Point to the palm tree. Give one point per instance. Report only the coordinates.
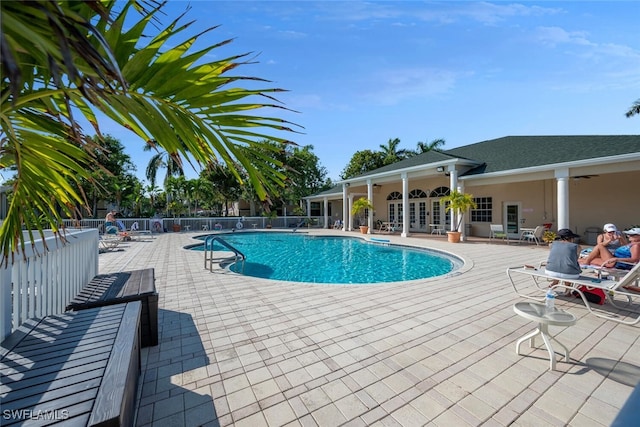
(79, 58)
(162, 159)
(635, 109)
(423, 147)
(391, 153)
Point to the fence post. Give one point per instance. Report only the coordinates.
(5, 302)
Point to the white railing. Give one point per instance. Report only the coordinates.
(43, 280)
(159, 225)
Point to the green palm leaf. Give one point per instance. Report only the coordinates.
(63, 60)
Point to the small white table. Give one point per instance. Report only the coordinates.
(437, 229)
(538, 313)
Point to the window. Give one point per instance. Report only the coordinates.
(440, 192)
(316, 209)
(484, 211)
(417, 194)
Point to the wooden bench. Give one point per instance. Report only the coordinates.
(78, 368)
(115, 288)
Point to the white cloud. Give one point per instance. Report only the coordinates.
(554, 36)
(391, 86)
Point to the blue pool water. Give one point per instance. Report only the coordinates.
(338, 260)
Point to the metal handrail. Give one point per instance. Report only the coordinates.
(208, 253)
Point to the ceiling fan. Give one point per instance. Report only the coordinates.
(584, 176)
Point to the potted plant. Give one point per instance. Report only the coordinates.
(271, 215)
(459, 203)
(358, 210)
(549, 236)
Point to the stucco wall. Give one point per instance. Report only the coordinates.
(593, 202)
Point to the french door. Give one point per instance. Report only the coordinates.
(512, 214)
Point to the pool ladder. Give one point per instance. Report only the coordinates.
(208, 251)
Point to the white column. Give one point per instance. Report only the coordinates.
(350, 227)
(405, 205)
(453, 185)
(370, 198)
(562, 181)
(326, 213)
(345, 207)
(463, 236)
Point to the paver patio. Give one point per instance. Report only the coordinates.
(242, 351)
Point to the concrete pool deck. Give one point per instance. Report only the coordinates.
(236, 350)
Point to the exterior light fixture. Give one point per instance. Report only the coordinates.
(440, 169)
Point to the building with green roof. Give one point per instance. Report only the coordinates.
(576, 182)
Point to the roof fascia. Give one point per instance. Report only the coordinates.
(550, 168)
(418, 170)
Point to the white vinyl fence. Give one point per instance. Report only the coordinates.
(42, 281)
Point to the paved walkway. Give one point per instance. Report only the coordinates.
(241, 351)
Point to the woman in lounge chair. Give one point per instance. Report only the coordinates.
(623, 257)
(563, 257)
(611, 238)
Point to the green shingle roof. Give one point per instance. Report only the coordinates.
(517, 152)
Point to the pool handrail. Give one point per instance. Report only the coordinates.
(208, 251)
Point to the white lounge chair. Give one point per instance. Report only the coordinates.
(109, 242)
(626, 287)
(136, 233)
(497, 232)
(533, 235)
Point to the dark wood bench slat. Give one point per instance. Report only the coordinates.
(34, 384)
(33, 351)
(81, 378)
(116, 396)
(124, 286)
(76, 406)
(17, 336)
(54, 398)
(22, 373)
(91, 345)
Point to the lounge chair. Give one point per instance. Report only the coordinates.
(497, 232)
(110, 228)
(533, 235)
(136, 233)
(109, 242)
(626, 287)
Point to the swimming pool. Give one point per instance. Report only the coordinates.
(300, 257)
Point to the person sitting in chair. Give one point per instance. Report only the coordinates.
(563, 256)
(624, 257)
(611, 238)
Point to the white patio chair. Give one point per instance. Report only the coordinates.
(534, 235)
(497, 232)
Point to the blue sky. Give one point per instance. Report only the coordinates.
(360, 73)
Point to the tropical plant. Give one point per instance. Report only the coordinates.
(634, 109)
(162, 159)
(458, 203)
(390, 152)
(362, 161)
(78, 58)
(359, 207)
(270, 215)
(423, 147)
(549, 236)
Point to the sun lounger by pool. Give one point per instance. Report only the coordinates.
(626, 288)
(109, 242)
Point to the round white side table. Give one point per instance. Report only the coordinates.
(538, 313)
